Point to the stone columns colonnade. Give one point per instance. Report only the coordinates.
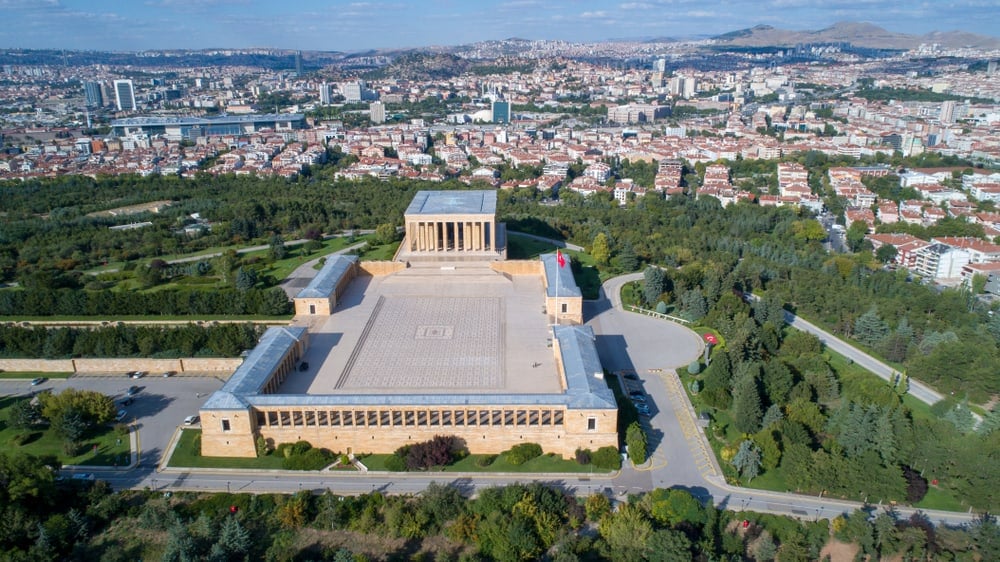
(452, 235)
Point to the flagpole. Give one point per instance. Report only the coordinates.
(558, 302)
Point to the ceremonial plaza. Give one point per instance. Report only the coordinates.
(449, 338)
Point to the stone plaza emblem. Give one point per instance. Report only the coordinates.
(435, 332)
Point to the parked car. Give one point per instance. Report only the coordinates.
(169, 374)
(632, 376)
(83, 476)
(121, 415)
(132, 391)
(38, 381)
(125, 401)
(190, 420)
(138, 374)
(637, 395)
(642, 409)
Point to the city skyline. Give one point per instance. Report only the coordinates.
(352, 26)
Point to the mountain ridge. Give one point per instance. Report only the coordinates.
(860, 34)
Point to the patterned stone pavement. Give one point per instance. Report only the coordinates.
(431, 343)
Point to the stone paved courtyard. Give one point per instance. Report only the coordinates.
(446, 328)
(430, 343)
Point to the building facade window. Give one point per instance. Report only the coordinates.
(225, 425)
(591, 424)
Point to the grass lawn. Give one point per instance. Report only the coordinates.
(297, 255)
(28, 375)
(112, 448)
(524, 248)
(384, 252)
(188, 454)
(544, 463)
(938, 498)
(588, 276)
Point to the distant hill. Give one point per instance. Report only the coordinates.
(860, 34)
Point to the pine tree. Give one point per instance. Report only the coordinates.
(747, 460)
(869, 328)
(654, 285)
(746, 405)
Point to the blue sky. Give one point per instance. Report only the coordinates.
(357, 25)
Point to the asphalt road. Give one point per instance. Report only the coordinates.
(918, 390)
(652, 348)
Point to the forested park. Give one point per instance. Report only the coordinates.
(49, 519)
(785, 413)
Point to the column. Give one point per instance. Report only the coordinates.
(493, 235)
(423, 236)
(467, 235)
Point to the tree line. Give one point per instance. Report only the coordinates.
(218, 340)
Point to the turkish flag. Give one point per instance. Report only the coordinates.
(560, 259)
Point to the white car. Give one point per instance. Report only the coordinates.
(190, 420)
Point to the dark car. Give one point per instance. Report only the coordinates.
(38, 381)
(132, 391)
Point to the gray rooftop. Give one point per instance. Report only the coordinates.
(323, 285)
(256, 369)
(586, 388)
(156, 121)
(453, 203)
(559, 279)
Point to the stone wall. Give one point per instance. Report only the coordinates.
(238, 441)
(518, 267)
(224, 366)
(379, 268)
(573, 313)
(573, 433)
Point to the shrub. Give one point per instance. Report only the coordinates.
(121, 429)
(485, 460)
(395, 463)
(583, 456)
(607, 458)
(263, 447)
(520, 454)
(313, 459)
(694, 367)
(440, 451)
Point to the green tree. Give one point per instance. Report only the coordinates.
(654, 285)
(234, 538)
(668, 545)
(600, 250)
(627, 532)
(886, 253)
(385, 233)
(856, 235)
(246, 278)
(674, 507)
(747, 460)
(23, 414)
(635, 440)
(746, 409)
(277, 248)
(869, 328)
(94, 407)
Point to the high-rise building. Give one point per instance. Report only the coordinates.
(991, 68)
(93, 92)
(356, 91)
(376, 111)
(947, 114)
(298, 63)
(325, 91)
(501, 112)
(660, 65)
(125, 95)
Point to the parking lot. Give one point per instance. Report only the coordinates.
(158, 405)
